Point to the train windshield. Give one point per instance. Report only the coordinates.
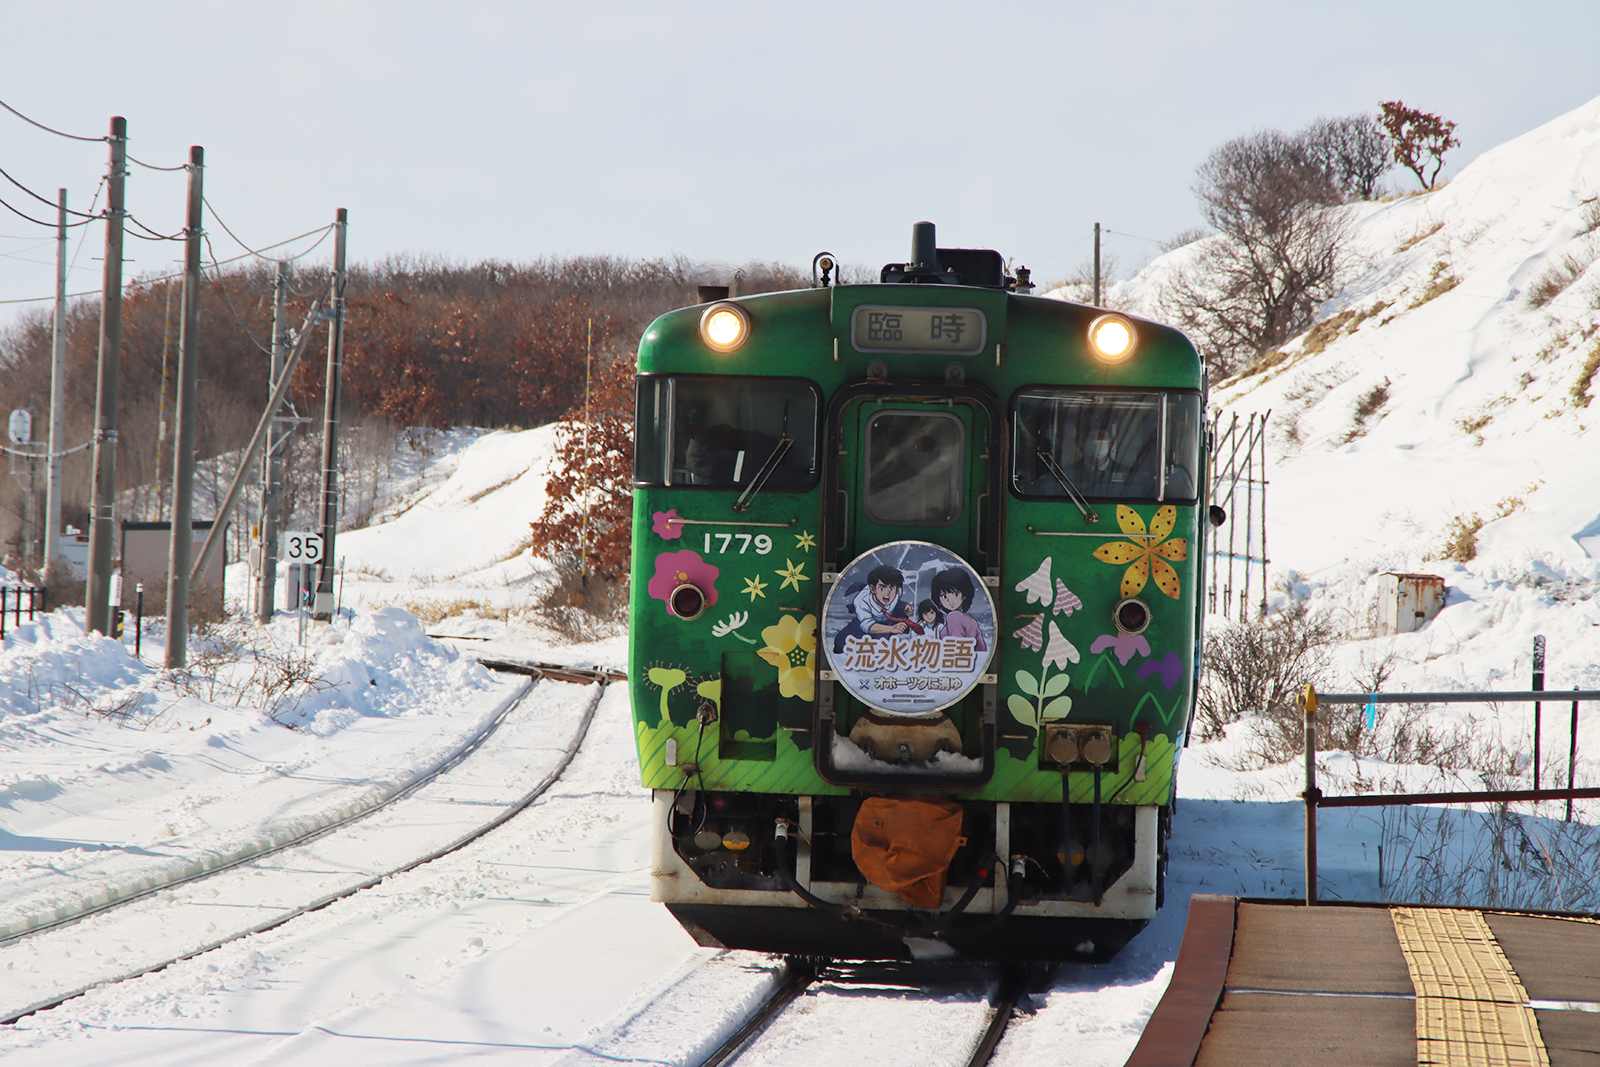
(1107, 446)
(723, 432)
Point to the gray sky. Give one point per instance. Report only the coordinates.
(471, 129)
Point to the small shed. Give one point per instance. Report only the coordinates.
(1406, 602)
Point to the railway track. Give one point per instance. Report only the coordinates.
(898, 986)
(274, 884)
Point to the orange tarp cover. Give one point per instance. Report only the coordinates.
(905, 844)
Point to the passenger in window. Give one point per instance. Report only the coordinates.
(1102, 473)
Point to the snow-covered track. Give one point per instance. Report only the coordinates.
(818, 998)
(273, 885)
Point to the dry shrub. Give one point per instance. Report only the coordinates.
(1495, 859)
(1555, 279)
(1440, 281)
(432, 611)
(1580, 388)
(580, 608)
(1461, 538)
(1257, 668)
(1369, 405)
(242, 664)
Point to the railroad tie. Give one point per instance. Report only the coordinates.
(1472, 1011)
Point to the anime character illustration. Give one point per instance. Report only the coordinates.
(931, 617)
(878, 609)
(953, 592)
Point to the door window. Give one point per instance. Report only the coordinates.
(916, 468)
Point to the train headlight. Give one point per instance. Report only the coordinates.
(1111, 338)
(724, 327)
(687, 602)
(1131, 616)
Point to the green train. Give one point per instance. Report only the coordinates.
(915, 615)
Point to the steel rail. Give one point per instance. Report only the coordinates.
(1013, 980)
(799, 973)
(515, 809)
(118, 900)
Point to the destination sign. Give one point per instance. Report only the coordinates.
(930, 330)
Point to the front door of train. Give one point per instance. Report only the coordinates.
(909, 623)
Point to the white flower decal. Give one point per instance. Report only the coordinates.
(1060, 651)
(1037, 584)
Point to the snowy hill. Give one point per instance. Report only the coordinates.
(1449, 382)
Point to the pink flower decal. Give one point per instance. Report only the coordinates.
(1124, 645)
(668, 525)
(1032, 635)
(1170, 669)
(1066, 600)
(683, 568)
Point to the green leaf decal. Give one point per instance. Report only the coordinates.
(1027, 684)
(1058, 708)
(1055, 685)
(1021, 710)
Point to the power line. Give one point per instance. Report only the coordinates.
(288, 259)
(40, 222)
(160, 277)
(41, 199)
(47, 129)
(153, 235)
(152, 166)
(226, 296)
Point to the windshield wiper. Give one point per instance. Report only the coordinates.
(1073, 494)
(770, 464)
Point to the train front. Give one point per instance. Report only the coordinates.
(914, 617)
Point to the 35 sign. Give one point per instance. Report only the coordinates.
(302, 547)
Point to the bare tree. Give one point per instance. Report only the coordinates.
(1276, 255)
(1353, 151)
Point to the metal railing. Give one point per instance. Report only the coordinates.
(1310, 699)
(11, 598)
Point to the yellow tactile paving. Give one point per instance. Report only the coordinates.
(1471, 1009)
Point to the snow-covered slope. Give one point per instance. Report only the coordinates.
(1467, 327)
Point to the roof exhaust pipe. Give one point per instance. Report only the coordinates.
(924, 249)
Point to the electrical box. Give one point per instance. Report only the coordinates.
(1408, 602)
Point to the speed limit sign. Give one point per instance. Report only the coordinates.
(302, 547)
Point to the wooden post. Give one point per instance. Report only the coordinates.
(97, 586)
(181, 545)
(1308, 704)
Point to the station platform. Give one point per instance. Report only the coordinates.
(1353, 985)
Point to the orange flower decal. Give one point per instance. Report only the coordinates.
(1146, 551)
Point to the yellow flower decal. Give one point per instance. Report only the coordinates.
(793, 575)
(791, 644)
(755, 587)
(1146, 552)
(805, 539)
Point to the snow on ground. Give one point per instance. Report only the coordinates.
(540, 944)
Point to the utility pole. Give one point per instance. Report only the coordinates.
(272, 476)
(1097, 264)
(322, 606)
(58, 385)
(182, 542)
(97, 587)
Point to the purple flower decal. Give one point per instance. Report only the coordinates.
(1066, 600)
(679, 568)
(1170, 669)
(668, 525)
(1124, 645)
(1032, 635)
